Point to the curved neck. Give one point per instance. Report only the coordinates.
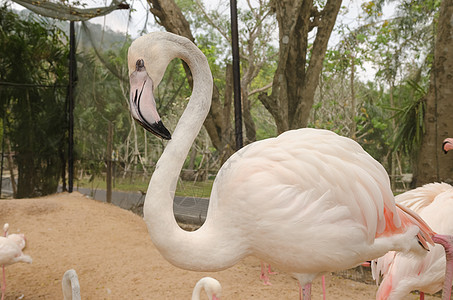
(71, 286)
(196, 294)
(187, 250)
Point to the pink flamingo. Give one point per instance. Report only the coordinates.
(447, 145)
(308, 201)
(11, 252)
(403, 273)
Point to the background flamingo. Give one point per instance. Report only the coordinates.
(447, 145)
(10, 253)
(210, 285)
(5, 229)
(403, 273)
(308, 201)
(70, 285)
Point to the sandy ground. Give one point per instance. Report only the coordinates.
(115, 259)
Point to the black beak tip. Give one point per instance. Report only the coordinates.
(443, 147)
(159, 129)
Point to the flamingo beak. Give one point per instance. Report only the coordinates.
(143, 104)
(447, 145)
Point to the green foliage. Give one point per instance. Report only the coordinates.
(373, 123)
(410, 120)
(34, 55)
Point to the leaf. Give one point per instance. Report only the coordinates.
(361, 37)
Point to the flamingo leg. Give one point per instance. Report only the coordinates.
(3, 283)
(323, 287)
(269, 271)
(447, 242)
(307, 291)
(5, 234)
(264, 276)
(422, 296)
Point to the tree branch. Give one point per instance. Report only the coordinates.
(261, 89)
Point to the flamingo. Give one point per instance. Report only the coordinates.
(403, 273)
(447, 145)
(70, 285)
(308, 201)
(210, 285)
(11, 252)
(5, 229)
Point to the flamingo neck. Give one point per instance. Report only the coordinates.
(196, 294)
(188, 250)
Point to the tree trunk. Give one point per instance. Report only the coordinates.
(249, 124)
(108, 159)
(227, 129)
(392, 165)
(296, 79)
(433, 165)
(352, 132)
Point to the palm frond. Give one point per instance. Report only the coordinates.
(410, 126)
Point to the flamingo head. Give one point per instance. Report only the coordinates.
(5, 229)
(145, 72)
(447, 145)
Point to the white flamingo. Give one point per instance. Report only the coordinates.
(11, 253)
(70, 285)
(5, 229)
(403, 273)
(210, 285)
(308, 201)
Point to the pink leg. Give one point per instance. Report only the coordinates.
(323, 287)
(3, 283)
(307, 291)
(5, 233)
(264, 276)
(447, 242)
(300, 291)
(422, 296)
(269, 271)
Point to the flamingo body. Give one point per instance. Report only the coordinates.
(308, 201)
(311, 187)
(403, 273)
(11, 250)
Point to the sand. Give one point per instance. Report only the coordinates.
(115, 259)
